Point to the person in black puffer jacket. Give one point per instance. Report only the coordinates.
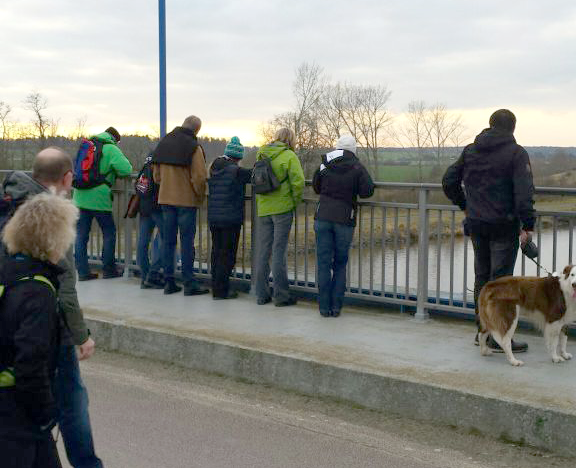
(339, 180)
(37, 237)
(226, 214)
(498, 200)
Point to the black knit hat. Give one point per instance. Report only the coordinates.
(503, 119)
(114, 133)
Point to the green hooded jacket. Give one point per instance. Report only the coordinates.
(113, 163)
(287, 169)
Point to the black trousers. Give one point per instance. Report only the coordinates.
(494, 257)
(224, 248)
(29, 453)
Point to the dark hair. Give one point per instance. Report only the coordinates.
(503, 119)
(51, 165)
(112, 131)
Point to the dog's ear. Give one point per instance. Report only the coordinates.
(567, 270)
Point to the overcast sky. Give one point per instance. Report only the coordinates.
(232, 62)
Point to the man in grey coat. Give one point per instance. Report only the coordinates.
(52, 170)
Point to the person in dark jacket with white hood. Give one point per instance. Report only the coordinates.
(339, 181)
(226, 183)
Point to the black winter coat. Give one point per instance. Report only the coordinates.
(498, 193)
(339, 181)
(29, 340)
(226, 192)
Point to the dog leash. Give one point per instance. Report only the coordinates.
(537, 264)
(540, 266)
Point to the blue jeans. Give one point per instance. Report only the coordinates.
(74, 420)
(332, 244)
(184, 219)
(147, 225)
(272, 234)
(106, 222)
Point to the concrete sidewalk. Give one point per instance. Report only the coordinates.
(386, 361)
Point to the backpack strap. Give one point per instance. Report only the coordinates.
(7, 379)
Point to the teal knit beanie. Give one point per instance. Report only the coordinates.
(234, 149)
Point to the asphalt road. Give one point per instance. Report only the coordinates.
(150, 415)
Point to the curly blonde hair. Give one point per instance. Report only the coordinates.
(44, 227)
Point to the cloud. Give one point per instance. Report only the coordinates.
(232, 61)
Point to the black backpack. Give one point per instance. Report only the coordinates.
(144, 184)
(263, 178)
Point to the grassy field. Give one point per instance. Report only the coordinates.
(402, 173)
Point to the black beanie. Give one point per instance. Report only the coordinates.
(112, 131)
(503, 119)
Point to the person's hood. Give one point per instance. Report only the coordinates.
(219, 164)
(104, 137)
(18, 186)
(17, 266)
(492, 137)
(272, 150)
(340, 161)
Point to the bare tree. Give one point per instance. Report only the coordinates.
(441, 125)
(413, 134)
(366, 116)
(5, 110)
(37, 104)
(80, 128)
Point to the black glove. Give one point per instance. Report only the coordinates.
(530, 249)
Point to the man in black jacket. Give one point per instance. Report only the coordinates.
(339, 180)
(498, 200)
(226, 214)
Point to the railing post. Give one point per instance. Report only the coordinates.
(127, 229)
(252, 242)
(423, 233)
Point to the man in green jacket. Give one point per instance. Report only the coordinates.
(275, 214)
(96, 202)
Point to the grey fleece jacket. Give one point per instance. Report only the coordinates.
(19, 186)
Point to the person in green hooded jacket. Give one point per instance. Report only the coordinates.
(96, 202)
(275, 213)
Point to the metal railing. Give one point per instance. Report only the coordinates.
(408, 248)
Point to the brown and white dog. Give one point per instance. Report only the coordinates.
(549, 303)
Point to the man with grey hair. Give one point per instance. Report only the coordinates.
(179, 168)
(52, 170)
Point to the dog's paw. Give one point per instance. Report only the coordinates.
(517, 362)
(486, 352)
(567, 356)
(557, 359)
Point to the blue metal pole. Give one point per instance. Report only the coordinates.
(162, 53)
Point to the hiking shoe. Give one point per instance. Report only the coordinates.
(171, 287)
(112, 274)
(230, 295)
(287, 302)
(88, 277)
(263, 300)
(517, 346)
(195, 290)
(151, 285)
